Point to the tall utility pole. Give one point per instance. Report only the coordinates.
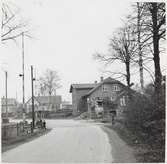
(22, 75)
(32, 86)
(6, 92)
(23, 72)
(139, 47)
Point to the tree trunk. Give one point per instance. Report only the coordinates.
(139, 48)
(128, 73)
(156, 58)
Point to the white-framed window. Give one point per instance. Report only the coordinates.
(123, 101)
(116, 88)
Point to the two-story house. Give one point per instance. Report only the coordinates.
(109, 88)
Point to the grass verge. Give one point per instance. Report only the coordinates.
(144, 151)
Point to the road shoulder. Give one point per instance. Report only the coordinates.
(121, 152)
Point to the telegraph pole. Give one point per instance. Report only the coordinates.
(22, 75)
(6, 92)
(32, 86)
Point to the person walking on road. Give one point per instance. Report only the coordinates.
(44, 124)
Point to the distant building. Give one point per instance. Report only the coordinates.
(44, 103)
(66, 105)
(12, 105)
(37, 105)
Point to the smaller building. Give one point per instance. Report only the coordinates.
(66, 105)
(12, 106)
(78, 91)
(44, 103)
(37, 105)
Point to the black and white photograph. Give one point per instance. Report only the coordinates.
(83, 81)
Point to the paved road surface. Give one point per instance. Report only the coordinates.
(69, 141)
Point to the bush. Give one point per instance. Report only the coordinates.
(146, 125)
(139, 111)
(145, 121)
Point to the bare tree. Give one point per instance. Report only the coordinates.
(144, 30)
(49, 83)
(123, 49)
(153, 28)
(157, 11)
(12, 26)
(139, 15)
(152, 31)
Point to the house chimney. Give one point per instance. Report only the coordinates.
(101, 79)
(96, 82)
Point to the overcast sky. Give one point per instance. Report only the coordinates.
(66, 34)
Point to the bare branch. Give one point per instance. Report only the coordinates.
(11, 26)
(49, 83)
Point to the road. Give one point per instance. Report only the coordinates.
(68, 141)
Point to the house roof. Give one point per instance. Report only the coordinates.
(108, 80)
(49, 99)
(46, 99)
(83, 86)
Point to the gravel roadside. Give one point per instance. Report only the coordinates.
(121, 152)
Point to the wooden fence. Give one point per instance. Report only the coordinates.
(13, 130)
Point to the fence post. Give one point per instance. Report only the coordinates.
(17, 129)
(5, 135)
(31, 127)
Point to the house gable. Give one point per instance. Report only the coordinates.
(108, 84)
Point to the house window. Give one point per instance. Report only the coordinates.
(104, 88)
(116, 88)
(123, 101)
(112, 98)
(97, 98)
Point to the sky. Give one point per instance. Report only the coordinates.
(66, 33)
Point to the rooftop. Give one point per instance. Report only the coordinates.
(47, 99)
(105, 81)
(83, 86)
